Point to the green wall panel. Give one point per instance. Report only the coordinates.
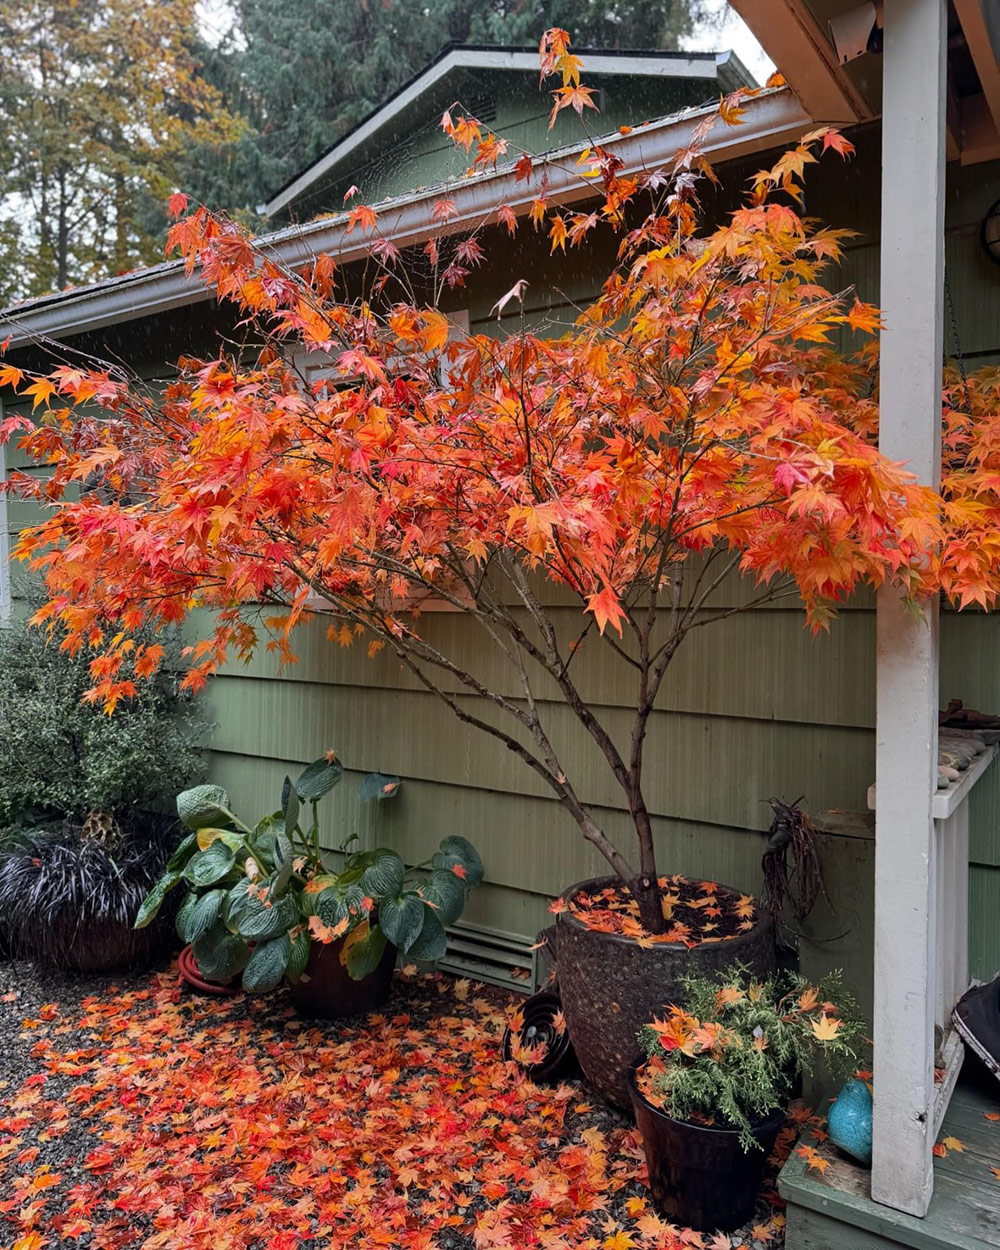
(714, 769)
(764, 665)
(984, 921)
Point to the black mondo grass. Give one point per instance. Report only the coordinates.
(69, 902)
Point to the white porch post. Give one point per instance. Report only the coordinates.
(912, 267)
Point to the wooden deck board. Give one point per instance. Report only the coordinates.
(834, 1210)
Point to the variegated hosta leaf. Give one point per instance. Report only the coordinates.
(210, 865)
(259, 920)
(402, 919)
(219, 954)
(266, 965)
(432, 942)
(319, 778)
(384, 877)
(202, 806)
(458, 855)
(198, 913)
(298, 956)
(447, 893)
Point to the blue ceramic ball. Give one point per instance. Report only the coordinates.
(850, 1121)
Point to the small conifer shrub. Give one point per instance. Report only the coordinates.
(729, 1058)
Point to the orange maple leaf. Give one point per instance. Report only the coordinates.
(606, 609)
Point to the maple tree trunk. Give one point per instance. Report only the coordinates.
(646, 891)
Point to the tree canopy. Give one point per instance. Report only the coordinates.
(304, 72)
(701, 419)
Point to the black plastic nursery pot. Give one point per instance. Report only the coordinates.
(611, 986)
(328, 991)
(700, 1176)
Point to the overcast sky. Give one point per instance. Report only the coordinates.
(733, 35)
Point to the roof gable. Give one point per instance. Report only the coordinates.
(400, 146)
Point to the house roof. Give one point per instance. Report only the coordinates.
(770, 119)
(796, 34)
(722, 68)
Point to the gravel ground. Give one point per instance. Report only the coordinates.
(135, 1114)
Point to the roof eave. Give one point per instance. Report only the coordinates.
(772, 118)
(724, 67)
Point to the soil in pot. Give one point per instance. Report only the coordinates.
(328, 991)
(699, 1175)
(614, 978)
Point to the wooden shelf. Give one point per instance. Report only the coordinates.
(947, 801)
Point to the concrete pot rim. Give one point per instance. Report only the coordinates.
(567, 917)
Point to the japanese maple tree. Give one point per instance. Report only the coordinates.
(698, 421)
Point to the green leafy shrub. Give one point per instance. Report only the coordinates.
(731, 1055)
(256, 898)
(62, 758)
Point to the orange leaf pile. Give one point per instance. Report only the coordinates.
(216, 1125)
(697, 911)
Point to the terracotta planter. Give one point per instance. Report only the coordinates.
(328, 991)
(700, 1176)
(610, 986)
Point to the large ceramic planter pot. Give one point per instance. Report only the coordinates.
(328, 991)
(700, 1176)
(611, 986)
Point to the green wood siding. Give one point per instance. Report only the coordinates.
(511, 105)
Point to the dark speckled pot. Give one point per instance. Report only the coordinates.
(610, 986)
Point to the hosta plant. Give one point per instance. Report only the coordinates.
(730, 1056)
(257, 897)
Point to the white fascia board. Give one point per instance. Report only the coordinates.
(770, 119)
(731, 72)
(670, 65)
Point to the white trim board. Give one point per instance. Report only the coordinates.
(724, 68)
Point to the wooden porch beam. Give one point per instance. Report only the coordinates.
(914, 103)
(980, 21)
(798, 45)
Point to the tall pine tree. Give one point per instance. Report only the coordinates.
(99, 100)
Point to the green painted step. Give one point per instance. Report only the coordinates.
(834, 1211)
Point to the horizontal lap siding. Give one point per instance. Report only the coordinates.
(715, 769)
(755, 707)
(764, 665)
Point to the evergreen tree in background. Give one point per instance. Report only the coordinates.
(303, 72)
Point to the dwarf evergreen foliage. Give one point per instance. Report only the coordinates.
(62, 758)
(730, 1056)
